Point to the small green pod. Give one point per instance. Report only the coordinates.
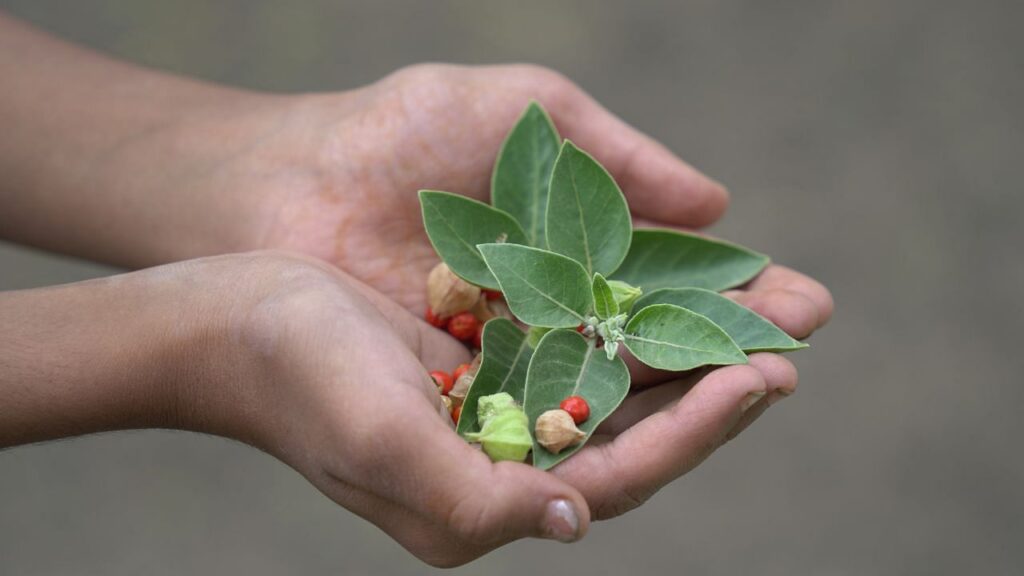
(505, 436)
(625, 294)
(505, 433)
(489, 406)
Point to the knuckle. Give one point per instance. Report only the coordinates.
(556, 90)
(624, 496)
(470, 521)
(420, 74)
(542, 74)
(621, 502)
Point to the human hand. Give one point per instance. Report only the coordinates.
(167, 169)
(367, 152)
(292, 356)
(337, 388)
(440, 127)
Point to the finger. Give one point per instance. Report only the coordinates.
(648, 401)
(429, 540)
(791, 311)
(641, 375)
(781, 277)
(488, 503)
(393, 444)
(657, 184)
(781, 381)
(421, 464)
(416, 462)
(621, 474)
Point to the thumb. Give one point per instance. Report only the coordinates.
(490, 504)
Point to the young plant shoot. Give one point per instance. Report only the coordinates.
(579, 284)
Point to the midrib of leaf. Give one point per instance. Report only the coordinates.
(671, 345)
(472, 249)
(542, 293)
(535, 204)
(583, 227)
(512, 368)
(583, 369)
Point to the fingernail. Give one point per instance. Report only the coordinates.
(561, 522)
(750, 399)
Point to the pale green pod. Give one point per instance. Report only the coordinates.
(490, 406)
(625, 294)
(505, 430)
(505, 436)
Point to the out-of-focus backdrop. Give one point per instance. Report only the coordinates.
(876, 145)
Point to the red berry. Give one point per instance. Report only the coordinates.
(493, 294)
(478, 338)
(579, 328)
(577, 407)
(456, 412)
(459, 371)
(444, 380)
(463, 326)
(435, 320)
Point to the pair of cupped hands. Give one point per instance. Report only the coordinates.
(324, 355)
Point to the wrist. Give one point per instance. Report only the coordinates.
(91, 357)
(161, 168)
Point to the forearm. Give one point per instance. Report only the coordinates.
(101, 355)
(97, 156)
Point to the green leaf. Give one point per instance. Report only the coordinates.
(751, 331)
(522, 173)
(587, 219)
(605, 304)
(566, 364)
(506, 357)
(456, 224)
(542, 288)
(668, 259)
(673, 338)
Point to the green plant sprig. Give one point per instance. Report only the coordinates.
(559, 244)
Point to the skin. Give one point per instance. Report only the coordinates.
(108, 161)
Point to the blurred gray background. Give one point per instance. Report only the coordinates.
(873, 144)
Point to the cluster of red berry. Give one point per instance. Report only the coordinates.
(466, 309)
(445, 382)
(464, 326)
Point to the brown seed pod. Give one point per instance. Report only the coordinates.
(447, 294)
(556, 431)
(461, 388)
